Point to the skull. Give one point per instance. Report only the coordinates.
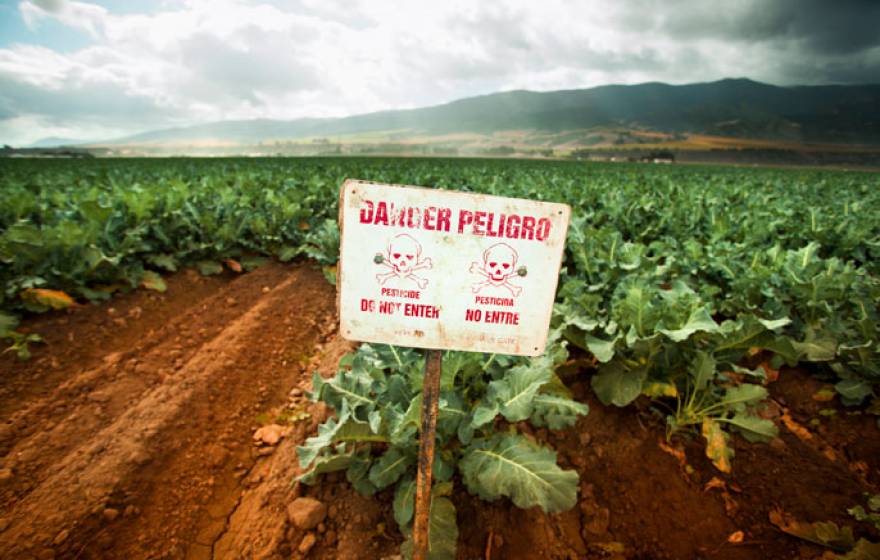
(404, 252)
(499, 261)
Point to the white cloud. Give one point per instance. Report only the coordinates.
(203, 60)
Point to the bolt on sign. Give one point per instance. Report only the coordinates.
(448, 270)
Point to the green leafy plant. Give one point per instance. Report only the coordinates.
(373, 437)
(872, 514)
(663, 342)
(18, 342)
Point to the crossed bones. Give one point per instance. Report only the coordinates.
(403, 257)
(499, 264)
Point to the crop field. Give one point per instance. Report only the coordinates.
(174, 385)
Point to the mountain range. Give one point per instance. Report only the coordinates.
(733, 108)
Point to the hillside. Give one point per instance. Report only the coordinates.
(737, 108)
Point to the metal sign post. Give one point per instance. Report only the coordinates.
(443, 270)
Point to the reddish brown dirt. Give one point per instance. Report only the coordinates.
(129, 435)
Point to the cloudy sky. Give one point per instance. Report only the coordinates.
(102, 69)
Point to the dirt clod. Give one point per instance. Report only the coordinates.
(306, 513)
(307, 542)
(269, 435)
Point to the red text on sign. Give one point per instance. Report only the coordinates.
(383, 213)
(511, 226)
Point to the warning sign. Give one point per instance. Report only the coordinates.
(448, 270)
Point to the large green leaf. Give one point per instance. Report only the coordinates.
(555, 411)
(511, 465)
(699, 321)
(854, 391)
(404, 427)
(442, 531)
(404, 501)
(702, 370)
(513, 395)
(602, 349)
(358, 474)
(390, 467)
(618, 384)
(345, 429)
(738, 396)
(817, 346)
(752, 427)
(325, 464)
(354, 388)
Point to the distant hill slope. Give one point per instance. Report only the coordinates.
(731, 107)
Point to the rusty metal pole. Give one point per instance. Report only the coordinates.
(428, 436)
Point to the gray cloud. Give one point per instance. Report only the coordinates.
(818, 26)
(52, 6)
(97, 103)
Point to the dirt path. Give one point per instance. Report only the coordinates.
(130, 435)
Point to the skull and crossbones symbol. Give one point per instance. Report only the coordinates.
(403, 257)
(499, 264)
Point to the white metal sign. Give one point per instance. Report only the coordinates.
(449, 270)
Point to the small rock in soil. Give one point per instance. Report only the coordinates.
(130, 511)
(5, 475)
(330, 536)
(777, 444)
(266, 289)
(113, 358)
(269, 435)
(111, 514)
(61, 537)
(264, 451)
(306, 544)
(306, 513)
(599, 519)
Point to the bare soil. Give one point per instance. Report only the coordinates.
(129, 434)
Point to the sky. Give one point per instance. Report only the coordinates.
(97, 70)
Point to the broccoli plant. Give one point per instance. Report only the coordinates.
(377, 396)
(663, 342)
